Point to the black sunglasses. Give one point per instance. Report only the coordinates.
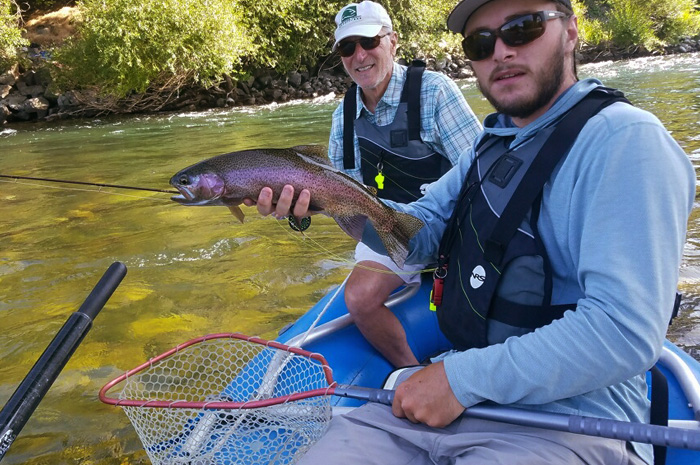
(346, 48)
(522, 30)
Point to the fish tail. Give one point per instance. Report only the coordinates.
(396, 238)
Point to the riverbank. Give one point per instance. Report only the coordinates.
(26, 95)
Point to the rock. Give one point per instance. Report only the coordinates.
(464, 73)
(29, 91)
(43, 77)
(28, 77)
(14, 101)
(35, 105)
(273, 93)
(67, 101)
(294, 78)
(4, 113)
(10, 77)
(228, 83)
(264, 81)
(5, 90)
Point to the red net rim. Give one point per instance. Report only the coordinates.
(104, 397)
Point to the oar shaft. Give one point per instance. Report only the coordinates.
(599, 427)
(32, 389)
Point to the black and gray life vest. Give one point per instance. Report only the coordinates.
(394, 158)
(494, 278)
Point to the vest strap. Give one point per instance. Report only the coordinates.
(541, 169)
(409, 94)
(526, 316)
(349, 114)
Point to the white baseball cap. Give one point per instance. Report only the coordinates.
(364, 19)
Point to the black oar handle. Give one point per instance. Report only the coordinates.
(600, 427)
(26, 398)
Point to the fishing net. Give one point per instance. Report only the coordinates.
(226, 399)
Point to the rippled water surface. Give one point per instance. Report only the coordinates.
(194, 271)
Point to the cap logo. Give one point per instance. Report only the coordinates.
(349, 13)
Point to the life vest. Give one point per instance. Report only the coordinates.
(395, 160)
(494, 278)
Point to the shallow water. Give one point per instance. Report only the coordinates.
(194, 271)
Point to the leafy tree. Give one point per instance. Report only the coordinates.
(422, 27)
(128, 45)
(10, 34)
(289, 33)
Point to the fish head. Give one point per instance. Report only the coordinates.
(198, 187)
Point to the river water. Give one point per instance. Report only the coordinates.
(194, 271)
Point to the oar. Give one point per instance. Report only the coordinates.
(26, 398)
(601, 427)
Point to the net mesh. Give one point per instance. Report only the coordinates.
(232, 371)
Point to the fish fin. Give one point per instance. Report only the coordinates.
(316, 152)
(372, 190)
(352, 225)
(237, 212)
(397, 238)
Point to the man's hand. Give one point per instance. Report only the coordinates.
(283, 206)
(426, 397)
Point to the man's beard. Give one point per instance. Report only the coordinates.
(549, 81)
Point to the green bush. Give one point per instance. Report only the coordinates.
(128, 45)
(10, 34)
(651, 23)
(289, 33)
(591, 32)
(630, 24)
(675, 19)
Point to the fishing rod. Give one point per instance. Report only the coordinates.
(16, 412)
(84, 183)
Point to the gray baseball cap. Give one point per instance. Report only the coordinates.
(464, 9)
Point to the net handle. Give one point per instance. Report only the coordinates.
(104, 397)
(665, 436)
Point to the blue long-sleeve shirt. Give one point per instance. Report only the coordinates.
(613, 221)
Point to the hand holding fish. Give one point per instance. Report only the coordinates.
(283, 207)
(275, 176)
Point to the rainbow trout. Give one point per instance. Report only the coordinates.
(227, 179)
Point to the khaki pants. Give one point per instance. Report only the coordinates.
(371, 434)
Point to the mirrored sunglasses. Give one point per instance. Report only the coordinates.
(346, 48)
(522, 30)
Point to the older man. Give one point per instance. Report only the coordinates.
(561, 237)
(398, 130)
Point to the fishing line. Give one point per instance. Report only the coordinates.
(15, 180)
(12, 179)
(84, 183)
(319, 247)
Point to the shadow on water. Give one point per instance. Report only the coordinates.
(194, 271)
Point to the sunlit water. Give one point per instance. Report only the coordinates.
(194, 271)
